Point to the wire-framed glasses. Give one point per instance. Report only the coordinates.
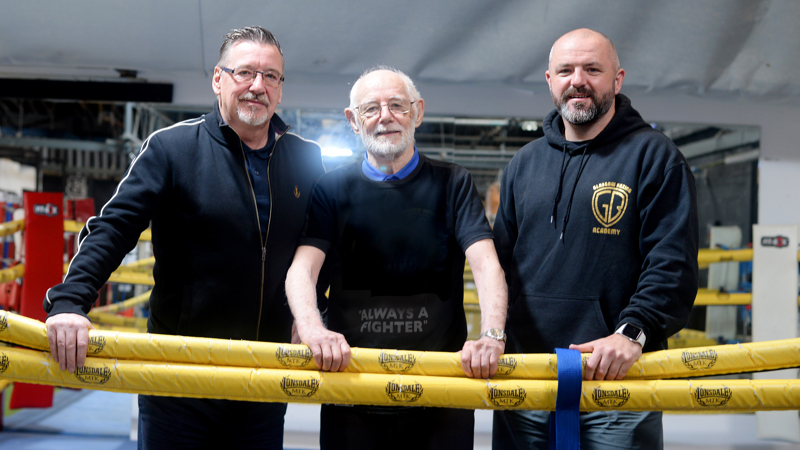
(245, 75)
(396, 107)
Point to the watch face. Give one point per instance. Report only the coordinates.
(631, 331)
(496, 333)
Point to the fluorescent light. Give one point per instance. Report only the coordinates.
(336, 151)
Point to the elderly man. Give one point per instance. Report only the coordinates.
(597, 234)
(398, 226)
(227, 195)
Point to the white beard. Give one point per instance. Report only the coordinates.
(383, 148)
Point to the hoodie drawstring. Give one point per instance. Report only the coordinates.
(581, 166)
(558, 191)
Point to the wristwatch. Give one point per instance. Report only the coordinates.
(633, 333)
(494, 333)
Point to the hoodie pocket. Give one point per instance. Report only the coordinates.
(539, 323)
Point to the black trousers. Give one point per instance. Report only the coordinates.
(175, 422)
(388, 428)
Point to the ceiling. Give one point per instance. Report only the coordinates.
(461, 54)
(743, 48)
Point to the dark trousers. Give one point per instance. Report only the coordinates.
(388, 428)
(600, 430)
(175, 422)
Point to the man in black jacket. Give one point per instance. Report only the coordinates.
(597, 235)
(226, 196)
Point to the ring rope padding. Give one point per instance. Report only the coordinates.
(678, 363)
(270, 385)
(127, 304)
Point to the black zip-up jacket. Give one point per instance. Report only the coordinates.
(215, 274)
(595, 234)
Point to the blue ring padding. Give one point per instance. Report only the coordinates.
(565, 422)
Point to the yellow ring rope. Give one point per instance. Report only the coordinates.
(693, 362)
(122, 306)
(268, 385)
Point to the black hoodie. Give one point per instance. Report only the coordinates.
(595, 234)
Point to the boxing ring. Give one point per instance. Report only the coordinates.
(256, 371)
(121, 358)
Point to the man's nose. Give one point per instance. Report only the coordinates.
(258, 84)
(386, 114)
(578, 78)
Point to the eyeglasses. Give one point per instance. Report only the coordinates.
(244, 75)
(372, 109)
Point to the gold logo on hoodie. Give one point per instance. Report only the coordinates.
(609, 202)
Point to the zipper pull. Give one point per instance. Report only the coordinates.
(263, 253)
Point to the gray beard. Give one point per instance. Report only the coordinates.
(582, 115)
(250, 117)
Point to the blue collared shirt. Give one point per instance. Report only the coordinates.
(376, 175)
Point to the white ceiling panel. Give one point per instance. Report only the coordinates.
(736, 48)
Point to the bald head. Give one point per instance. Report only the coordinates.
(583, 37)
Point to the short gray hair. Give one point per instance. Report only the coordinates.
(258, 35)
(410, 87)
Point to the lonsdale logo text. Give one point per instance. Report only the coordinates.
(403, 393)
(293, 358)
(506, 365)
(299, 387)
(507, 397)
(712, 396)
(611, 397)
(3, 321)
(396, 363)
(3, 362)
(699, 360)
(93, 375)
(96, 345)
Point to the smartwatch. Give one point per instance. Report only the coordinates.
(633, 333)
(495, 333)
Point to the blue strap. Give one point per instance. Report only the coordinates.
(565, 422)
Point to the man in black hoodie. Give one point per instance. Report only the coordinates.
(597, 234)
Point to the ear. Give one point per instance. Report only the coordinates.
(353, 119)
(215, 81)
(547, 76)
(420, 105)
(280, 95)
(618, 78)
